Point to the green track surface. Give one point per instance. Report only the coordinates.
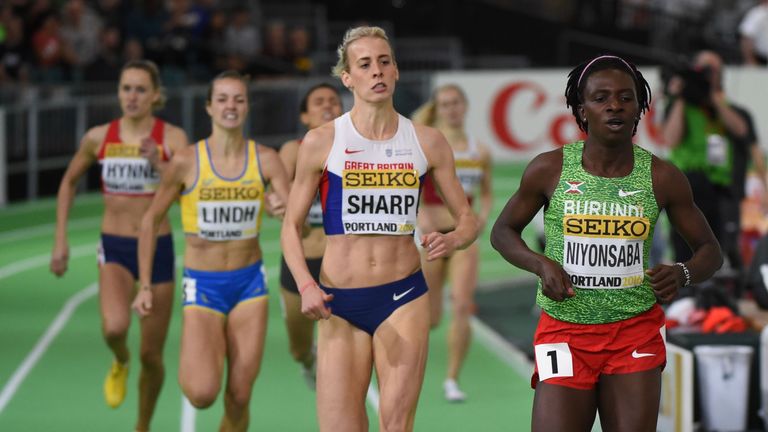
(62, 390)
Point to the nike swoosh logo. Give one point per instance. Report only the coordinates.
(636, 354)
(348, 151)
(623, 194)
(397, 297)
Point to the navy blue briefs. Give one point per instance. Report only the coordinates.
(366, 308)
(123, 251)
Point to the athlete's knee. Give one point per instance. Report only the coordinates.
(463, 308)
(300, 352)
(239, 395)
(114, 330)
(151, 358)
(396, 422)
(200, 395)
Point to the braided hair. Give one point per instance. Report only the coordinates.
(577, 80)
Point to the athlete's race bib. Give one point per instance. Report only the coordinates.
(604, 251)
(379, 201)
(123, 170)
(227, 220)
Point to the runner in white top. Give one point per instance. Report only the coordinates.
(369, 220)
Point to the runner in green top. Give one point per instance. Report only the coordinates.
(599, 345)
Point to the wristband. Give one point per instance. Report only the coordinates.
(686, 273)
(305, 286)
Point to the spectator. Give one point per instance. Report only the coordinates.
(14, 58)
(298, 50)
(215, 47)
(51, 50)
(754, 34)
(108, 63)
(133, 50)
(80, 29)
(242, 40)
(702, 128)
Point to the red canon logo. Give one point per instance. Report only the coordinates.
(556, 130)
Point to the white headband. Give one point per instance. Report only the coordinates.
(578, 83)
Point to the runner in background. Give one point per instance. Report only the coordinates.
(446, 111)
(321, 104)
(132, 150)
(221, 183)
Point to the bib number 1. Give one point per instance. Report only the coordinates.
(553, 360)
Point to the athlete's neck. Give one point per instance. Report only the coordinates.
(456, 136)
(134, 129)
(374, 122)
(607, 160)
(226, 142)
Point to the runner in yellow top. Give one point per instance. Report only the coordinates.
(221, 181)
(132, 151)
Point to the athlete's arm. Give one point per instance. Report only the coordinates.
(486, 191)
(83, 159)
(440, 159)
(175, 140)
(309, 168)
(536, 187)
(171, 183)
(274, 173)
(288, 154)
(673, 193)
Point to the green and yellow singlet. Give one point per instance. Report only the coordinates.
(600, 230)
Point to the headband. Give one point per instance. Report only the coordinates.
(578, 83)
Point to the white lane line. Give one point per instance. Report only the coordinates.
(373, 397)
(43, 260)
(42, 345)
(187, 415)
(47, 229)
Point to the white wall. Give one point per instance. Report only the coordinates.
(522, 113)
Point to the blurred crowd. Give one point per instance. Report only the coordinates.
(49, 41)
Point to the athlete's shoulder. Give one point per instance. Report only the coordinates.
(176, 137)
(320, 136)
(549, 161)
(97, 133)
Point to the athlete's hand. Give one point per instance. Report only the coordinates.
(555, 282)
(59, 259)
(665, 281)
(142, 304)
(437, 245)
(148, 150)
(274, 205)
(313, 302)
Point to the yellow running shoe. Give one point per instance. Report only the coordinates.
(114, 384)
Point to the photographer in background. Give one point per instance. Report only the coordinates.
(705, 132)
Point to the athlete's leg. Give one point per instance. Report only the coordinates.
(434, 273)
(560, 408)
(301, 330)
(246, 330)
(344, 358)
(630, 402)
(400, 354)
(116, 291)
(154, 329)
(203, 348)
(463, 271)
